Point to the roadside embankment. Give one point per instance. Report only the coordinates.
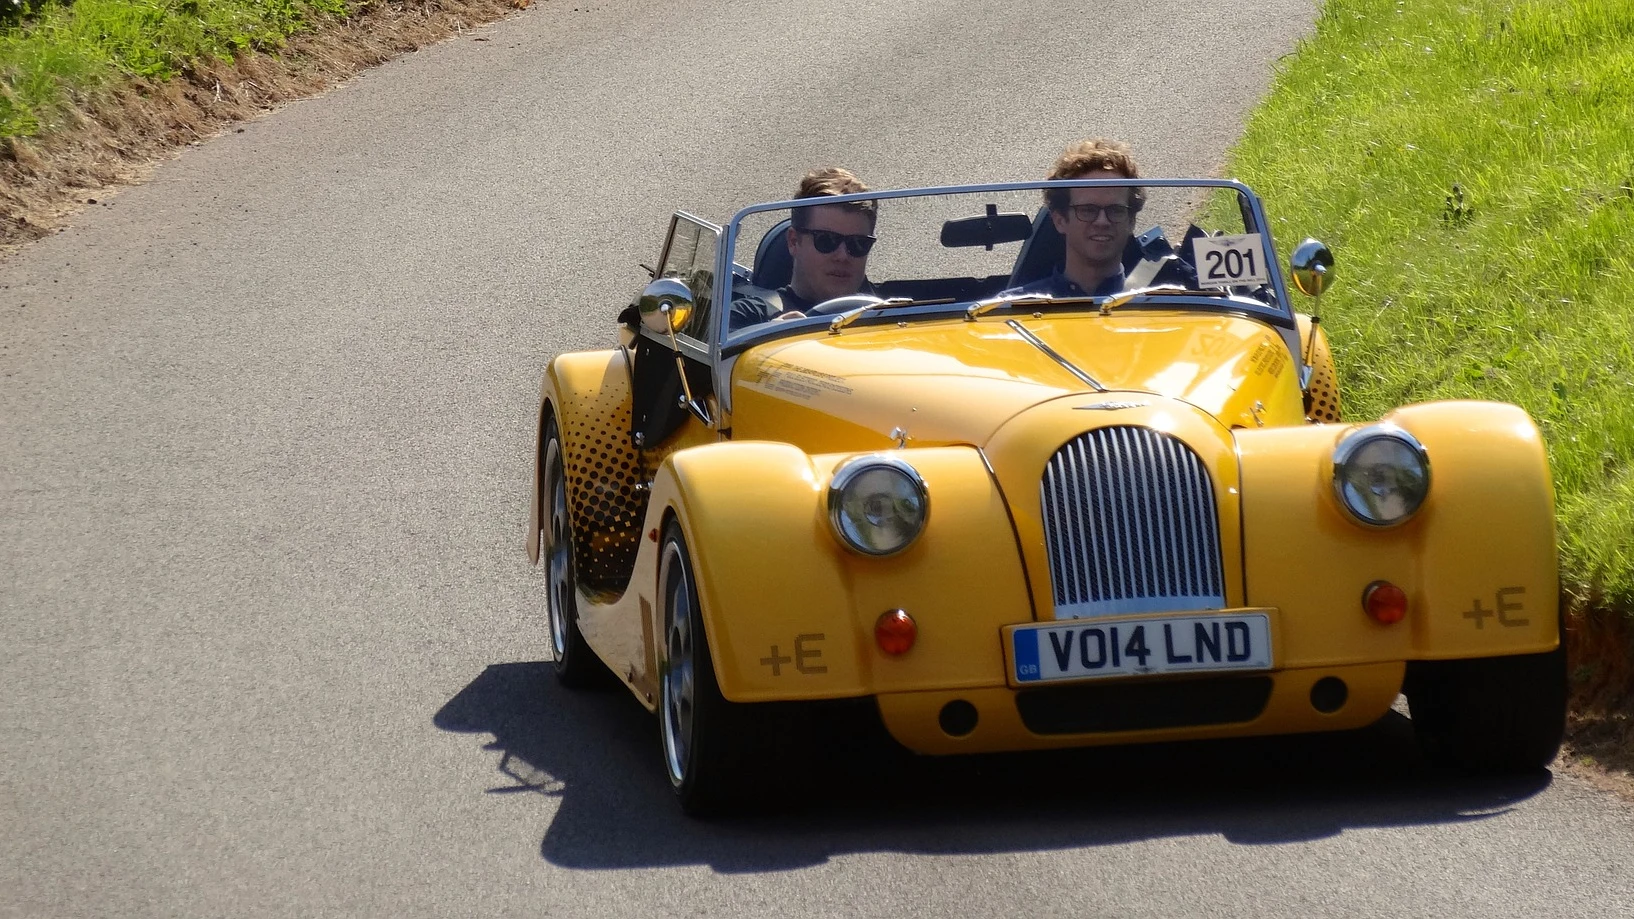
(94, 91)
(1472, 166)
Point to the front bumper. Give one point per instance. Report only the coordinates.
(1143, 710)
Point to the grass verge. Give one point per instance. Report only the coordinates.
(92, 92)
(67, 50)
(1471, 162)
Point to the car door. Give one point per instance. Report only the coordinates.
(670, 380)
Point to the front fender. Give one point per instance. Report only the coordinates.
(790, 612)
(589, 394)
(1478, 561)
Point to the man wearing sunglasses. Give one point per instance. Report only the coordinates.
(828, 244)
(1095, 223)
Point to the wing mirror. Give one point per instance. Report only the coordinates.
(1312, 263)
(665, 306)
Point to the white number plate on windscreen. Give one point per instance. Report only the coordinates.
(1088, 649)
(1230, 261)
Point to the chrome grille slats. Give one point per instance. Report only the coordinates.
(1073, 549)
(1057, 493)
(1130, 525)
(1107, 519)
(1167, 577)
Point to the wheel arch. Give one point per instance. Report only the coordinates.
(789, 612)
(536, 506)
(588, 394)
(1322, 391)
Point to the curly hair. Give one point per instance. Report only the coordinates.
(1083, 160)
(832, 180)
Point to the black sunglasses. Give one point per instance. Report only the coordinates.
(826, 241)
(1115, 213)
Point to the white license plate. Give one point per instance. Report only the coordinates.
(1088, 649)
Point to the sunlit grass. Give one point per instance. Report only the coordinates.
(1472, 165)
(66, 51)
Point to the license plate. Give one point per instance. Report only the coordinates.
(1083, 649)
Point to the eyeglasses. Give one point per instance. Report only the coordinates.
(1115, 213)
(826, 241)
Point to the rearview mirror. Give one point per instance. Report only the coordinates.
(986, 230)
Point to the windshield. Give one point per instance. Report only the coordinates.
(934, 252)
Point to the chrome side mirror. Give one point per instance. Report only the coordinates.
(1311, 263)
(665, 306)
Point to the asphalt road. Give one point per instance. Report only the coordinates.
(269, 642)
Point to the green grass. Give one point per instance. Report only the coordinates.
(63, 52)
(1472, 166)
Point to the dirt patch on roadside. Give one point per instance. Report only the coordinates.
(114, 137)
(1600, 729)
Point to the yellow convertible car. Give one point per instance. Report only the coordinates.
(1010, 494)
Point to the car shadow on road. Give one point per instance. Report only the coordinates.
(598, 753)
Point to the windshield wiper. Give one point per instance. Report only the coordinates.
(844, 319)
(983, 307)
(1130, 296)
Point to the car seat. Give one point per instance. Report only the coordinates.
(774, 265)
(1045, 250)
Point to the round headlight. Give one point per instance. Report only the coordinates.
(877, 504)
(1381, 475)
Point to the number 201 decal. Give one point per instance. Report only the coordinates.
(1230, 261)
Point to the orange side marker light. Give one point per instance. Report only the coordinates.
(895, 632)
(1385, 602)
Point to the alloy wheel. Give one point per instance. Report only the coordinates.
(678, 685)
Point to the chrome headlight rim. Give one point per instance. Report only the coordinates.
(847, 473)
(1351, 444)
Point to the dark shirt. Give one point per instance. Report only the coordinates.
(763, 306)
(760, 305)
(1057, 284)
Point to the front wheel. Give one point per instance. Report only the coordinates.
(695, 721)
(1490, 715)
(575, 664)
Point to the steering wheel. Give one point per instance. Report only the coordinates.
(844, 304)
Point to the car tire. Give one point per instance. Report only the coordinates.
(575, 664)
(1490, 715)
(696, 724)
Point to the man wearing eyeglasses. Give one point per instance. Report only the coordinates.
(829, 245)
(1095, 223)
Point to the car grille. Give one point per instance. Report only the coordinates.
(1131, 526)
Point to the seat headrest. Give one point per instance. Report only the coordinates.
(1041, 253)
(1045, 250)
(774, 265)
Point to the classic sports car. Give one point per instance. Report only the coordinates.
(1009, 520)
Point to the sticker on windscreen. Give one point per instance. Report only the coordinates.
(1230, 261)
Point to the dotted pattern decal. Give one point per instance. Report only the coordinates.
(603, 470)
(1324, 382)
